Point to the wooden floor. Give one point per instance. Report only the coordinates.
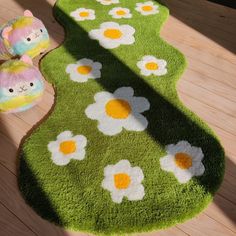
(206, 34)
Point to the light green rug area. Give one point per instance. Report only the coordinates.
(119, 153)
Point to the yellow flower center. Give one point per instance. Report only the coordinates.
(84, 14)
(84, 70)
(112, 33)
(118, 109)
(151, 66)
(183, 160)
(147, 8)
(122, 180)
(68, 147)
(120, 12)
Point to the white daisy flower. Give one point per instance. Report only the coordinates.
(122, 180)
(67, 147)
(108, 2)
(120, 12)
(147, 8)
(118, 110)
(82, 14)
(83, 70)
(151, 65)
(112, 35)
(184, 160)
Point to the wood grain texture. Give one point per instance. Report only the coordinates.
(205, 33)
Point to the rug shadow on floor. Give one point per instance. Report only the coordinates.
(207, 18)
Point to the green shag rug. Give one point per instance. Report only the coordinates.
(119, 153)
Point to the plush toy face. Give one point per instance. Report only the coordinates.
(27, 35)
(21, 85)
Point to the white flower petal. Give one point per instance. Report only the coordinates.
(117, 197)
(79, 155)
(94, 34)
(109, 128)
(124, 92)
(111, 125)
(109, 44)
(97, 65)
(115, 13)
(84, 62)
(137, 175)
(127, 29)
(161, 66)
(109, 24)
(53, 146)
(200, 170)
(59, 157)
(95, 111)
(122, 165)
(81, 140)
(152, 11)
(103, 96)
(82, 14)
(83, 76)
(109, 170)
(108, 2)
(167, 163)
(71, 68)
(139, 104)
(125, 38)
(136, 122)
(134, 191)
(65, 135)
(183, 175)
(146, 72)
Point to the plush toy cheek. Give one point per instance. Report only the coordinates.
(38, 87)
(32, 49)
(20, 103)
(39, 48)
(21, 48)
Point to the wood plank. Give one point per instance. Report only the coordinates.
(209, 52)
(12, 199)
(171, 231)
(11, 225)
(202, 73)
(199, 92)
(197, 41)
(228, 189)
(222, 211)
(212, 116)
(210, 226)
(214, 20)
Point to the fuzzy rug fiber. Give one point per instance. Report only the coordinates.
(119, 153)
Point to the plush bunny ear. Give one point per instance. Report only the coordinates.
(26, 59)
(6, 31)
(28, 13)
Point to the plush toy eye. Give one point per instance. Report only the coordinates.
(31, 84)
(29, 39)
(41, 30)
(11, 90)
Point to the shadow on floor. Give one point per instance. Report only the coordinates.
(210, 19)
(170, 110)
(228, 3)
